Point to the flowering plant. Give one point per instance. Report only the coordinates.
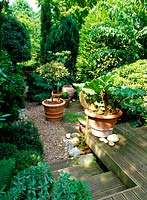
(54, 72)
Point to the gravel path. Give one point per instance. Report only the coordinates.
(52, 134)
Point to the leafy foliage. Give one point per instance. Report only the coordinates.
(45, 28)
(133, 100)
(6, 172)
(113, 34)
(7, 150)
(16, 40)
(23, 134)
(70, 189)
(24, 13)
(27, 158)
(54, 72)
(35, 182)
(39, 89)
(12, 87)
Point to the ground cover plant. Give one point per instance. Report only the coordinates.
(36, 182)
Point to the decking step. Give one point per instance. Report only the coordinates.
(78, 172)
(105, 184)
(101, 184)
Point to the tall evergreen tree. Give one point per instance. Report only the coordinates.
(45, 27)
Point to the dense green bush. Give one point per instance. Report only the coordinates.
(23, 134)
(35, 182)
(7, 150)
(6, 173)
(70, 189)
(113, 34)
(25, 159)
(39, 89)
(12, 87)
(15, 39)
(133, 100)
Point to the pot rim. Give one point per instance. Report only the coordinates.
(53, 105)
(109, 116)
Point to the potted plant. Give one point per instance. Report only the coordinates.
(66, 97)
(53, 72)
(100, 106)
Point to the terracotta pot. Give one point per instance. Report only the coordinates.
(53, 110)
(69, 89)
(102, 125)
(67, 101)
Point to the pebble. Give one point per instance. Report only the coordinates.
(68, 135)
(111, 143)
(74, 152)
(102, 139)
(75, 135)
(75, 141)
(113, 138)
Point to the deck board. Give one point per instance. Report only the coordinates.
(127, 159)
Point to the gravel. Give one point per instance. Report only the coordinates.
(52, 134)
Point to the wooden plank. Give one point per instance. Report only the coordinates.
(104, 184)
(118, 197)
(61, 164)
(78, 172)
(140, 193)
(110, 158)
(110, 191)
(130, 195)
(136, 136)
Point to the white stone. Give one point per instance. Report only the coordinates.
(102, 139)
(75, 141)
(86, 160)
(111, 143)
(68, 135)
(75, 135)
(105, 141)
(113, 138)
(74, 152)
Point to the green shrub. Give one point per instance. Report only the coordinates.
(65, 95)
(35, 182)
(39, 89)
(108, 38)
(70, 189)
(130, 79)
(25, 159)
(6, 172)
(7, 150)
(12, 88)
(16, 39)
(24, 134)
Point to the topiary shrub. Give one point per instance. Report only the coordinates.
(24, 134)
(25, 159)
(7, 150)
(70, 189)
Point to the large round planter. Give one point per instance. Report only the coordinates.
(69, 89)
(102, 125)
(53, 109)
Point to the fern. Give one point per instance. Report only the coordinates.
(6, 172)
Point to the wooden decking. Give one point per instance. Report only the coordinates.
(127, 160)
(126, 177)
